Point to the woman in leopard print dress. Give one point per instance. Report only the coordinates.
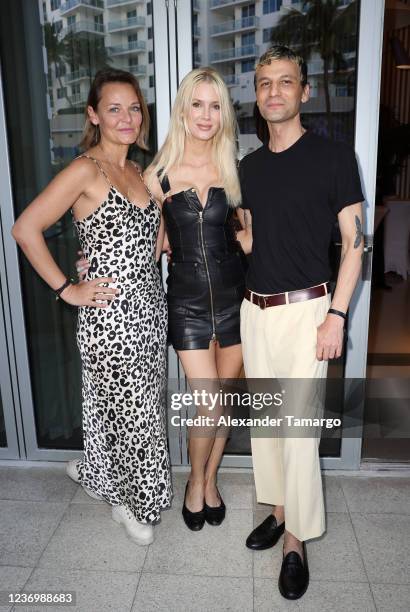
(121, 329)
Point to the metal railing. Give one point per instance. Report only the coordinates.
(235, 53)
(70, 4)
(138, 69)
(233, 26)
(76, 75)
(92, 27)
(119, 2)
(216, 3)
(123, 24)
(135, 45)
(79, 98)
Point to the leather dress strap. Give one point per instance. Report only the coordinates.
(164, 182)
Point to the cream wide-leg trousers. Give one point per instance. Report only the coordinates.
(280, 342)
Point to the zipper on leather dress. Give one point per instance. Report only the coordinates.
(209, 278)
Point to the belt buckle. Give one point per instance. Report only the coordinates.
(262, 304)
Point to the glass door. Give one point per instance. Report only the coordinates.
(230, 35)
(45, 82)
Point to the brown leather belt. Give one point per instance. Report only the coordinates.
(279, 299)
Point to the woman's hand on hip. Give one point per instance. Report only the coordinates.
(90, 293)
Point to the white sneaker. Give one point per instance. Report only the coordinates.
(72, 471)
(141, 533)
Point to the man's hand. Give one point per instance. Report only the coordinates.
(330, 338)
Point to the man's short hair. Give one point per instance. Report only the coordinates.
(278, 52)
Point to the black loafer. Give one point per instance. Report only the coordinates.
(193, 520)
(294, 575)
(266, 534)
(215, 516)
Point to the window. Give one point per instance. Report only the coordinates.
(55, 4)
(267, 35)
(247, 66)
(132, 38)
(270, 6)
(149, 8)
(75, 89)
(71, 20)
(131, 14)
(150, 57)
(248, 39)
(149, 33)
(248, 11)
(99, 19)
(61, 92)
(152, 81)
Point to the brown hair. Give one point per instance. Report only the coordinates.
(91, 133)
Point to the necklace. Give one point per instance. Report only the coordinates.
(129, 193)
(108, 160)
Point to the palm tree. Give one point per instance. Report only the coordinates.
(56, 53)
(320, 27)
(86, 51)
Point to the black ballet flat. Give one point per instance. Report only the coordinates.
(193, 520)
(215, 516)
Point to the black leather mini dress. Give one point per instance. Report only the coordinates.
(206, 280)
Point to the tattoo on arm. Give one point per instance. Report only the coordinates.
(359, 233)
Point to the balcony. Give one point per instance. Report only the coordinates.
(235, 53)
(77, 75)
(79, 98)
(70, 6)
(136, 46)
(138, 70)
(196, 31)
(232, 27)
(215, 4)
(126, 24)
(115, 3)
(89, 27)
(196, 6)
(231, 80)
(197, 59)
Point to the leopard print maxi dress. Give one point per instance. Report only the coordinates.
(123, 353)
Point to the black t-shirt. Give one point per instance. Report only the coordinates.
(294, 197)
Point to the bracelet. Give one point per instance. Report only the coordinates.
(60, 290)
(339, 313)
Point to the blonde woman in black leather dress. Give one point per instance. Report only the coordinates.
(195, 176)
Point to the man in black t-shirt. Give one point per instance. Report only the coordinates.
(294, 189)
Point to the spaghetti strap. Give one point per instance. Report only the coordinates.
(147, 189)
(97, 163)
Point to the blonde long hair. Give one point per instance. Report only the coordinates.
(224, 142)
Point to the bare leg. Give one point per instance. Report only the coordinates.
(228, 364)
(198, 364)
(206, 452)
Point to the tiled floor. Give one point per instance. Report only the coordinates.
(54, 537)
